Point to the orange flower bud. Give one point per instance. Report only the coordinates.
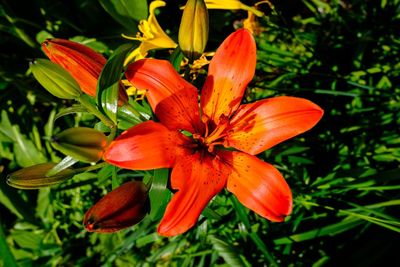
(83, 63)
(123, 207)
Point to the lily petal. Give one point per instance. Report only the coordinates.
(261, 125)
(258, 185)
(173, 99)
(230, 70)
(148, 145)
(198, 177)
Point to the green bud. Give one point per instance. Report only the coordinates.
(81, 143)
(193, 31)
(55, 79)
(34, 177)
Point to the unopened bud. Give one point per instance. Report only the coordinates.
(82, 62)
(81, 143)
(193, 31)
(123, 207)
(34, 177)
(55, 79)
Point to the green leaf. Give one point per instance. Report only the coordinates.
(263, 248)
(105, 173)
(62, 165)
(331, 230)
(44, 208)
(176, 58)
(109, 82)
(114, 178)
(126, 12)
(211, 214)
(127, 118)
(159, 194)
(240, 212)
(6, 256)
(26, 153)
(70, 110)
(15, 203)
(28, 239)
(227, 252)
(242, 215)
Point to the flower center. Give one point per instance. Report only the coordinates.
(213, 136)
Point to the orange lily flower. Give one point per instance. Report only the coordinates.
(83, 63)
(201, 164)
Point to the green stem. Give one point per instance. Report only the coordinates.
(112, 134)
(87, 102)
(91, 168)
(253, 10)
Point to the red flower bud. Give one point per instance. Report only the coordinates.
(83, 63)
(121, 208)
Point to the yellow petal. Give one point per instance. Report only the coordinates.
(152, 35)
(232, 5)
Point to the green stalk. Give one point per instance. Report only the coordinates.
(91, 168)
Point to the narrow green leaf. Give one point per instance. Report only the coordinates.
(26, 153)
(240, 212)
(127, 118)
(242, 215)
(331, 230)
(6, 256)
(211, 214)
(28, 239)
(105, 173)
(70, 110)
(147, 239)
(166, 251)
(227, 252)
(109, 82)
(261, 246)
(176, 58)
(336, 93)
(15, 203)
(159, 194)
(293, 150)
(114, 178)
(62, 165)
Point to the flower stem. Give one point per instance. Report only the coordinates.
(91, 168)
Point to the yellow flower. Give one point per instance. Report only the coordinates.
(232, 4)
(151, 35)
(133, 91)
(251, 22)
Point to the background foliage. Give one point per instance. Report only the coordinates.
(344, 173)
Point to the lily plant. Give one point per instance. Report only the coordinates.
(213, 144)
